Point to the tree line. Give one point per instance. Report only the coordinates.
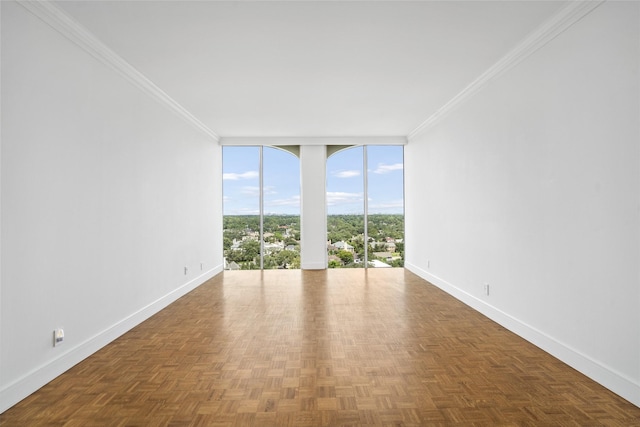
(286, 229)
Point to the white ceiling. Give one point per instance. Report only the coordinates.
(307, 68)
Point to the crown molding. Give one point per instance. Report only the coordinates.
(71, 29)
(573, 12)
(317, 140)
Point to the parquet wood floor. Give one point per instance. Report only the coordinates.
(321, 348)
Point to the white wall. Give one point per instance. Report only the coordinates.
(106, 197)
(533, 186)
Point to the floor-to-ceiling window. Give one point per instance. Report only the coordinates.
(261, 208)
(345, 208)
(365, 207)
(385, 205)
(281, 195)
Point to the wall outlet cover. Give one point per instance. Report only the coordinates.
(58, 337)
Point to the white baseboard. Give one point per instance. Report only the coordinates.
(618, 383)
(29, 383)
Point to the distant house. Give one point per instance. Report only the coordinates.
(343, 246)
(231, 265)
(387, 256)
(287, 230)
(378, 264)
(270, 248)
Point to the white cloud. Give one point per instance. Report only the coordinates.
(339, 197)
(250, 191)
(255, 191)
(346, 174)
(291, 201)
(382, 168)
(237, 176)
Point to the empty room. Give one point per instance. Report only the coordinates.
(319, 213)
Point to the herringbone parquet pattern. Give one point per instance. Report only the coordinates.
(320, 348)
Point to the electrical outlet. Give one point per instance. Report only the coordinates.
(58, 337)
(186, 270)
(486, 289)
(201, 266)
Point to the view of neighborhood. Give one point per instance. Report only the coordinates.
(345, 241)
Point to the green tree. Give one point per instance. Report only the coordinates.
(251, 249)
(289, 241)
(226, 243)
(334, 263)
(286, 258)
(345, 256)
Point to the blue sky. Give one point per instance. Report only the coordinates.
(282, 181)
